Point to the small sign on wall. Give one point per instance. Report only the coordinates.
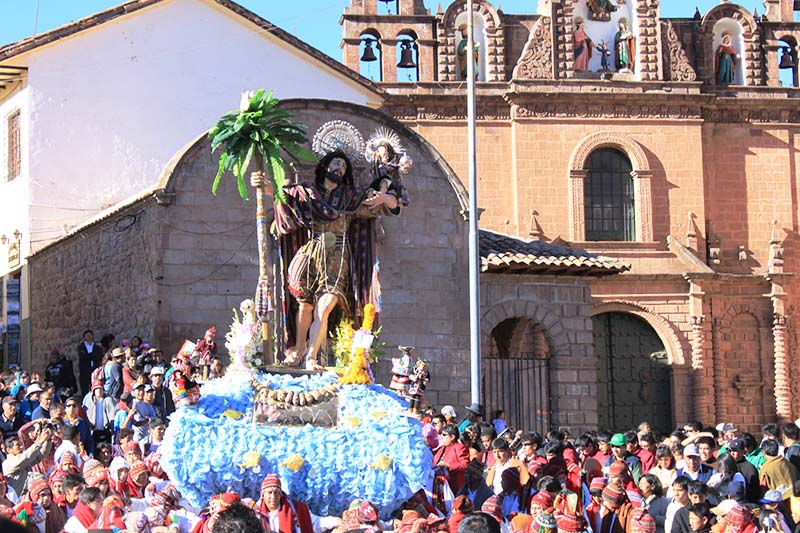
(13, 253)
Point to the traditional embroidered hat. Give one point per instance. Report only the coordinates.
(598, 483)
(272, 480)
(130, 446)
(642, 522)
(37, 487)
(738, 518)
(137, 469)
(90, 465)
(367, 513)
(493, 507)
(614, 495)
(570, 523)
(544, 523)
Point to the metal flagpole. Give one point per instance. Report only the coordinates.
(474, 266)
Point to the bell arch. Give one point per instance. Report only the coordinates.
(641, 174)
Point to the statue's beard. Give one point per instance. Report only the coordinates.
(334, 177)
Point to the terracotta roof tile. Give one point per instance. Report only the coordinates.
(501, 253)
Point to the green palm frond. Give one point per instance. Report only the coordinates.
(258, 129)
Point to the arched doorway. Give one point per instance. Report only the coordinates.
(515, 374)
(633, 377)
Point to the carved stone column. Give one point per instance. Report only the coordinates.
(783, 397)
(644, 204)
(702, 368)
(577, 216)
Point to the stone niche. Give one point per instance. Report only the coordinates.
(599, 30)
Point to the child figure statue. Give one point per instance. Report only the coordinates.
(388, 161)
(420, 377)
(205, 350)
(401, 370)
(605, 53)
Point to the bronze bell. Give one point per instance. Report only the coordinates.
(369, 53)
(787, 59)
(406, 55)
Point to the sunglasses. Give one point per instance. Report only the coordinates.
(72, 405)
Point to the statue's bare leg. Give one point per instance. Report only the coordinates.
(305, 313)
(319, 327)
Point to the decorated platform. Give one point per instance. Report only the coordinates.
(373, 450)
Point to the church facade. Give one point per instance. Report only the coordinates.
(668, 144)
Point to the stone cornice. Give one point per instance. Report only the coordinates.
(447, 102)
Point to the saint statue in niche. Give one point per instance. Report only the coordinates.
(624, 48)
(726, 60)
(601, 9)
(582, 45)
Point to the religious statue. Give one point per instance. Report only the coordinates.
(605, 53)
(325, 227)
(462, 53)
(624, 48)
(600, 9)
(420, 377)
(726, 60)
(388, 161)
(582, 45)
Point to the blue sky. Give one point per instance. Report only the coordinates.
(314, 21)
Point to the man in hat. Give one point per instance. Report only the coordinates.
(619, 452)
(144, 411)
(773, 501)
(694, 468)
(474, 415)
(163, 396)
(616, 513)
(285, 515)
(114, 383)
(736, 450)
(10, 419)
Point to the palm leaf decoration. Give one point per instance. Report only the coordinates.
(260, 130)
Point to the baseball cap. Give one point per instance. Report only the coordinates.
(737, 445)
(772, 496)
(724, 507)
(691, 450)
(139, 385)
(148, 388)
(158, 370)
(617, 440)
(449, 410)
(9, 399)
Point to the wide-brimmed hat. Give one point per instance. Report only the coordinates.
(475, 408)
(33, 388)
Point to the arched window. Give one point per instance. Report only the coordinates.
(609, 197)
(407, 57)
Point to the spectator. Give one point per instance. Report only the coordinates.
(777, 473)
(73, 418)
(87, 504)
(674, 520)
(100, 412)
(503, 460)
(112, 372)
(10, 419)
(70, 439)
(238, 518)
(700, 517)
(59, 371)
(144, 411)
(475, 487)
(791, 444)
(163, 396)
(129, 371)
(123, 418)
(90, 355)
(31, 401)
(654, 501)
(620, 453)
(43, 410)
(152, 442)
(752, 483)
(453, 456)
(647, 459)
(20, 462)
(694, 468)
(728, 482)
(42, 494)
(753, 453)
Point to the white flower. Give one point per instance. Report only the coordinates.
(244, 103)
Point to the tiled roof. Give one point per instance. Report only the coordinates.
(501, 253)
(14, 49)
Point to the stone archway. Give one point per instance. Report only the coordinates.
(750, 40)
(641, 173)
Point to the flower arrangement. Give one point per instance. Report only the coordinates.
(358, 370)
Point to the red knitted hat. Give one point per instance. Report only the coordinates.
(570, 523)
(367, 513)
(598, 483)
(618, 468)
(614, 495)
(272, 480)
(137, 468)
(493, 507)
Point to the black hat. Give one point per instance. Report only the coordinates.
(736, 445)
(475, 408)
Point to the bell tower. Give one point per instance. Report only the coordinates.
(390, 41)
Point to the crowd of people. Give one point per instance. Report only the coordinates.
(83, 454)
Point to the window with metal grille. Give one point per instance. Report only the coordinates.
(14, 144)
(609, 197)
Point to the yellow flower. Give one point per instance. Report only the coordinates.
(353, 422)
(382, 462)
(232, 414)
(377, 415)
(294, 462)
(250, 459)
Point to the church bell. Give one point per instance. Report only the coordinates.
(787, 59)
(369, 53)
(406, 56)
